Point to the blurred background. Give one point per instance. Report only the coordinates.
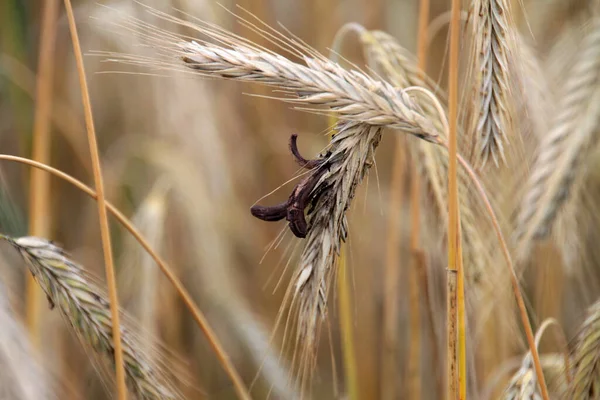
(185, 158)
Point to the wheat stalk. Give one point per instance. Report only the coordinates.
(563, 152)
(493, 47)
(87, 310)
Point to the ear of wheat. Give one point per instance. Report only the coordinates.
(586, 358)
(349, 95)
(523, 385)
(86, 309)
(562, 155)
(351, 154)
(492, 48)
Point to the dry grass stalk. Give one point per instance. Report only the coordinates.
(586, 358)
(39, 204)
(456, 345)
(493, 45)
(562, 155)
(101, 203)
(416, 264)
(87, 310)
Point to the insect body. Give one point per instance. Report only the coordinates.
(293, 209)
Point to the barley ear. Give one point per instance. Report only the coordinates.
(563, 152)
(586, 358)
(87, 310)
(492, 49)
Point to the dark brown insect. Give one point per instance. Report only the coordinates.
(293, 208)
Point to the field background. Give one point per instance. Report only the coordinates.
(185, 158)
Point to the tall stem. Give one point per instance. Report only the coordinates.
(347, 328)
(39, 186)
(455, 284)
(389, 348)
(415, 204)
(104, 229)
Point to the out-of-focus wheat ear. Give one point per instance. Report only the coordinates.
(22, 377)
(563, 153)
(493, 45)
(86, 309)
(524, 384)
(142, 276)
(352, 151)
(586, 358)
(534, 102)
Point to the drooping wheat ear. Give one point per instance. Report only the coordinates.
(22, 377)
(86, 309)
(524, 383)
(586, 358)
(397, 65)
(493, 45)
(349, 95)
(351, 154)
(524, 386)
(562, 155)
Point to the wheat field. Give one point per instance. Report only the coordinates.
(320, 199)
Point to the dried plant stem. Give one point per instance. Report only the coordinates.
(347, 327)
(345, 306)
(39, 193)
(414, 358)
(391, 292)
(198, 316)
(104, 229)
(513, 276)
(455, 298)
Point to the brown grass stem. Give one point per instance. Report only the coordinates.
(39, 189)
(415, 250)
(103, 219)
(198, 316)
(513, 276)
(391, 292)
(345, 306)
(455, 296)
(347, 327)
